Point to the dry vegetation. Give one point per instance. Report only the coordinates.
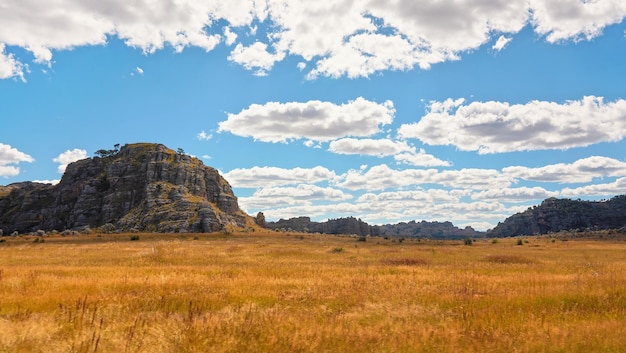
(310, 293)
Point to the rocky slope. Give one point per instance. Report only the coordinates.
(554, 215)
(351, 225)
(145, 187)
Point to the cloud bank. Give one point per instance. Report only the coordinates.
(338, 38)
(497, 127)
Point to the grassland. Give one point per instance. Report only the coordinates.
(310, 293)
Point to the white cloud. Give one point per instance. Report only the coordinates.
(520, 194)
(256, 177)
(501, 43)
(303, 194)
(10, 155)
(204, 136)
(495, 127)
(581, 171)
(9, 171)
(420, 159)
(382, 177)
(338, 38)
(9, 66)
(255, 56)
(575, 19)
(230, 36)
(53, 182)
(312, 120)
(139, 70)
(68, 157)
(607, 189)
(370, 147)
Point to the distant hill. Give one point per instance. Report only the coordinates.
(554, 215)
(351, 225)
(143, 187)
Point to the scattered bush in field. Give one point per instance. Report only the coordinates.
(507, 259)
(134, 237)
(41, 233)
(39, 240)
(494, 241)
(361, 238)
(467, 241)
(337, 250)
(15, 233)
(410, 261)
(520, 242)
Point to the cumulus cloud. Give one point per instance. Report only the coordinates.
(204, 136)
(9, 66)
(312, 120)
(257, 177)
(501, 43)
(255, 57)
(581, 171)
(370, 147)
(69, 156)
(606, 189)
(496, 127)
(381, 177)
(520, 194)
(337, 38)
(10, 155)
(563, 20)
(420, 159)
(303, 194)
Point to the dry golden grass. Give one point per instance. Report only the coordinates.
(310, 293)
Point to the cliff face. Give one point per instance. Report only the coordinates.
(554, 215)
(348, 225)
(147, 187)
(351, 225)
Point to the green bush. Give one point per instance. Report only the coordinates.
(134, 237)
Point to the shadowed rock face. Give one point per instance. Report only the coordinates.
(554, 215)
(148, 187)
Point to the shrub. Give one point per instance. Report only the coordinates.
(467, 241)
(134, 237)
(361, 238)
(520, 242)
(337, 250)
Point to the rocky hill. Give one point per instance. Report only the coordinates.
(351, 225)
(143, 187)
(432, 230)
(554, 215)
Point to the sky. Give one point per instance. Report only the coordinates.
(389, 111)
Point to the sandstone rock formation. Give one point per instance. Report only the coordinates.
(554, 215)
(351, 225)
(146, 187)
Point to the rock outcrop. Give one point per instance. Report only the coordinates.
(351, 225)
(145, 187)
(554, 215)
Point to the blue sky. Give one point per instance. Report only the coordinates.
(389, 111)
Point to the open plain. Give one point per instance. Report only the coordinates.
(291, 292)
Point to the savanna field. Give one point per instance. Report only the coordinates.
(290, 292)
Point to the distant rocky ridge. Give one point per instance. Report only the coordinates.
(554, 215)
(140, 187)
(351, 225)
